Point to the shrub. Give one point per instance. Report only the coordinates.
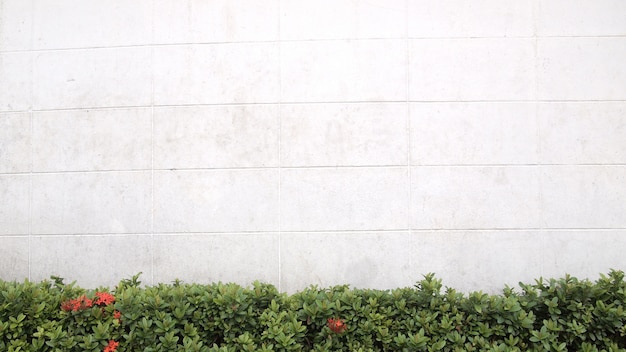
(550, 315)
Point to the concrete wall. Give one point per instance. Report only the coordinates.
(312, 142)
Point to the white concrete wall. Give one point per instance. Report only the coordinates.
(312, 142)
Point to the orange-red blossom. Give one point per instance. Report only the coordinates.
(111, 347)
(82, 302)
(77, 304)
(104, 298)
(336, 325)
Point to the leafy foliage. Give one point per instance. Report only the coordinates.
(550, 315)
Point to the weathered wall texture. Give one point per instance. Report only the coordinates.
(312, 142)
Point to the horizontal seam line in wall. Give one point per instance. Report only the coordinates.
(120, 234)
(517, 229)
(269, 232)
(182, 233)
(364, 102)
(453, 230)
(134, 46)
(90, 234)
(515, 165)
(182, 44)
(519, 101)
(286, 103)
(203, 169)
(274, 232)
(317, 167)
(156, 106)
(304, 40)
(182, 106)
(521, 37)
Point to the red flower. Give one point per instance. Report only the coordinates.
(77, 304)
(117, 315)
(85, 302)
(67, 305)
(104, 298)
(336, 325)
(111, 347)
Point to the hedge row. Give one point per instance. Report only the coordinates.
(550, 315)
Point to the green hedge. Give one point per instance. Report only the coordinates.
(550, 315)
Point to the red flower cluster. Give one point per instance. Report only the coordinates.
(77, 304)
(101, 299)
(82, 302)
(111, 347)
(104, 298)
(336, 325)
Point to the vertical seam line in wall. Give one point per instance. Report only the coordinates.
(30, 193)
(152, 78)
(408, 127)
(32, 156)
(535, 13)
(280, 133)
